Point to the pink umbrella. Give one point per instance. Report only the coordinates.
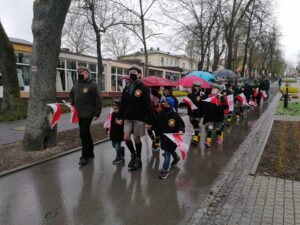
(125, 77)
(188, 81)
(152, 81)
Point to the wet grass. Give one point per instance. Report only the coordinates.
(292, 110)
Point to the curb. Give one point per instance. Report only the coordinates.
(7, 172)
(262, 148)
(215, 196)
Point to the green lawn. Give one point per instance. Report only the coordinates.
(292, 110)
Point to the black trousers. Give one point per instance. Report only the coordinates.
(86, 137)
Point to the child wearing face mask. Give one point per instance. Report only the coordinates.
(168, 121)
(196, 115)
(116, 132)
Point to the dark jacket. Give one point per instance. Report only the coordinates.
(215, 113)
(136, 102)
(85, 97)
(116, 130)
(169, 122)
(197, 100)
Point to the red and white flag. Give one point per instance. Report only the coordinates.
(252, 102)
(264, 94)
(74, 113)
(56, 108)
(241, 97)
(213, 100)
(230, 102)
(190, 103)
(181, 146)
(255, 92)
(107, 122)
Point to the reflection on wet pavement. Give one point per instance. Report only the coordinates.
(59, 192)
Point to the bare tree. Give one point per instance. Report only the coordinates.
(11, 101)
(117, 42)
(47, 24)
(139, 26)
(197, 19)
(232, 15)
(76, 33)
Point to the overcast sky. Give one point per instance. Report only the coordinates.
(16, 17)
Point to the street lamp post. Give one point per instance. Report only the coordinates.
(286, 96)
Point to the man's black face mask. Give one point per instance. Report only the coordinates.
(133, 76)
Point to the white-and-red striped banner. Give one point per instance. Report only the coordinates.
(181, 146)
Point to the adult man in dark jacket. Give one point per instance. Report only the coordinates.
(137, 114)
(86, 99)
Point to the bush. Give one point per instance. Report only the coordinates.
(178, 93)
(289, 80)
(291, 89)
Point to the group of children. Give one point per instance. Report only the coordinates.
(205, 107)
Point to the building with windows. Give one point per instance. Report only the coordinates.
(156, 57)
(112, 80)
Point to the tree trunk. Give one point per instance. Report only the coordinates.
(47, 24)
(144, 39)
(229, 57)
(11, 101)
(247, 40)
(99, 60)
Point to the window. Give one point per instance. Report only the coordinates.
(71, 79)
(92, 67)
(61, 63)
(162, 61)
(117, 83)
(23, 76)
(60, 80)
(71, 65)
(23, 58)
(156, 72)
(82, 64)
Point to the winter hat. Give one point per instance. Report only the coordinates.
(169, 100)
(83, 68)
(135, 68)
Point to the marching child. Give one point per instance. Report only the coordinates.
(116, 132)
(214, 117)
(168, 121)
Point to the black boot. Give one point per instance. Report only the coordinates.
(131, 162)
(137, 165)
(122, 152)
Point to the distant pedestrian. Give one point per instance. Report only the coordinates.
(279, 83)
(116, 133)
(168, 121)
(267, 86)
(137, 114)
(85, 97)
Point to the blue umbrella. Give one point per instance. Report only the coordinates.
(202, 74)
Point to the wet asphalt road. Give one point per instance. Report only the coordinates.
(59, 192)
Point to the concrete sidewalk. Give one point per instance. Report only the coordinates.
(239, 198)
(14, 130)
